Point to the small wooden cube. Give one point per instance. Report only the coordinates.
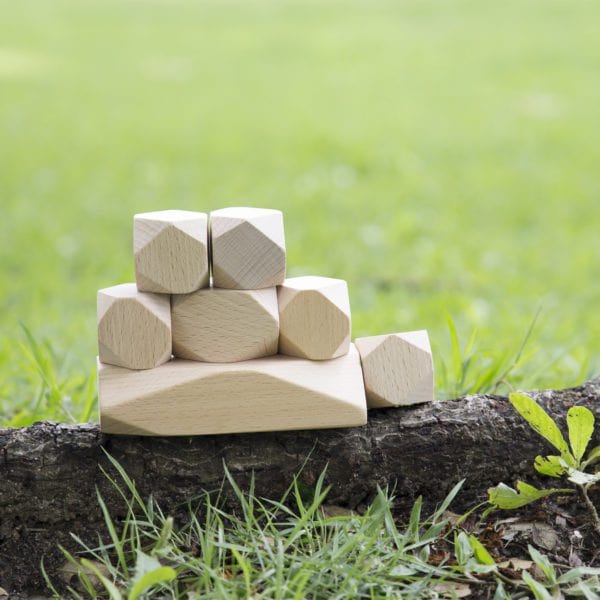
(171, 251)
(219, 325)
(134, 328)
(314, 317)
(397, 368)
(248, 248)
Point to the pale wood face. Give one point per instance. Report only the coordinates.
(219, 325)
(248, 248)
(226, 376)
(134, 328)
(171, 251)
(314, 317)
(270, 394)
(397, 369)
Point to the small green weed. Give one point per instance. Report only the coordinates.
(476, 371)
(569, 463)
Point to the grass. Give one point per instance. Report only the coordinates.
(299, 547)
(441, 157)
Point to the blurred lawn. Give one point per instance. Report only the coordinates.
(443, 157)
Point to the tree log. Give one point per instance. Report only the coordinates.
(49, 472)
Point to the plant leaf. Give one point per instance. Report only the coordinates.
(580, 421)
(539, 591)
(480, 552)
(543, 564)
(581, 478)
(403, 571)
(540, 422)
(578, 573)
(583, 589)
(148, 572)
(463, 550)
(109, 586)
(505, 497)
(550, 466)
(593, 456)
(149, 579)
(500, 593)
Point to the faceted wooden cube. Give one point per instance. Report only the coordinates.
(171, 251)
(134, 328)
(397, 368)
(314, 317)
(222, 326)
(248, 248)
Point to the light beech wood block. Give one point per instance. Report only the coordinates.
(134, 328)
(314, 317)
(171, 251)
(248, 248)
(397, 368)
(219, 325)
(268, 394)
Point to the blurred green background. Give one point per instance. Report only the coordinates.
(441, 156)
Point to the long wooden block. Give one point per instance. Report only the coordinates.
(134, 328)
(268, 394)
(222, 326)
(171, 251)
(248, 248)
(314, 317)
(398, 368)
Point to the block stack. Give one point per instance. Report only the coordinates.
(212, 337)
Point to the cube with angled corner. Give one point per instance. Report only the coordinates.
(314, 317)
(248, 248)
(171, 251)
(134, 328)
(397, 368)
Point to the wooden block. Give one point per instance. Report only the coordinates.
(248, 248)
(218, 325)
(171, 251)
(134, 328)
(398, 368)
(267, 394)
(314, 317)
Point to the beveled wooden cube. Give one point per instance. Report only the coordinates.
(171, 251)
(397, 368)
(248, 248)
(314, 317)
(134, 328)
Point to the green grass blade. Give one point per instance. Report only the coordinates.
(109, 586)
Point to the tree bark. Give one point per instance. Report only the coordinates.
(49, 472)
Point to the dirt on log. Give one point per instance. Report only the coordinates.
(49, 472)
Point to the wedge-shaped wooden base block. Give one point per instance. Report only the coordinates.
(275, 393)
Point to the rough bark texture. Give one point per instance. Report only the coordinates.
(49, 472)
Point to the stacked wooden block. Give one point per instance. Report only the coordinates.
(184, 353)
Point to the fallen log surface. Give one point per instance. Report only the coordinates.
(49, 472)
